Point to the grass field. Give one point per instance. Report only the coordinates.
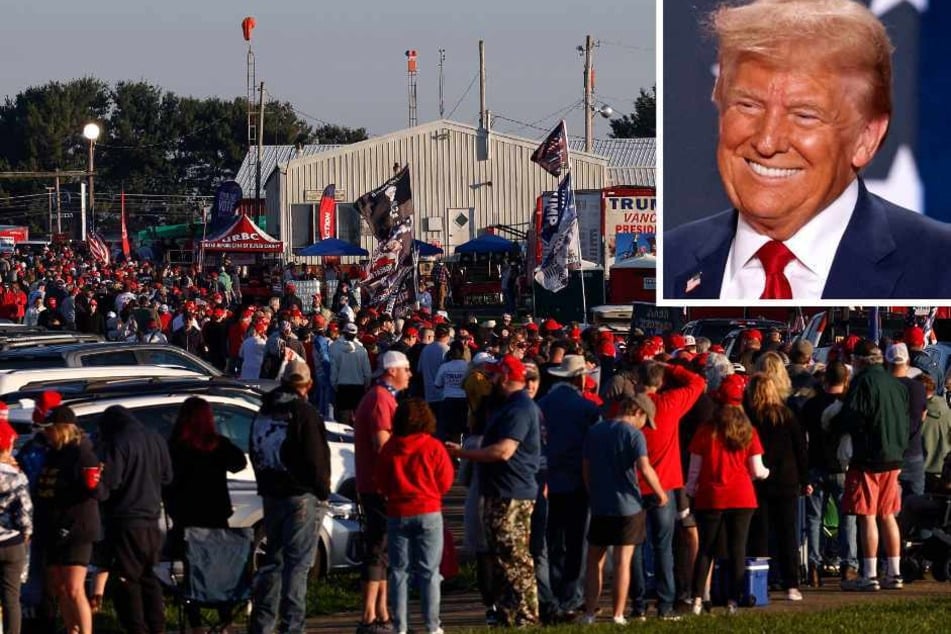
(893, 617)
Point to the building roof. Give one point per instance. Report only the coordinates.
(622, 152)
(630, 161)
(271, 157)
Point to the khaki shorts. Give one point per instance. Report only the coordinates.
(871, 493)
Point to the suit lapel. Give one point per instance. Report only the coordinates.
(861, 261)
(710, 261)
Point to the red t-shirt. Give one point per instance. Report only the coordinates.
(663, 443)
(374, 413)
(724, 481)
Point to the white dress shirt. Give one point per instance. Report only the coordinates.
(814, 246)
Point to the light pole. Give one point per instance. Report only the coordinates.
(91, 132)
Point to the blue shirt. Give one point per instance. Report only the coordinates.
(517, 419)
(568, 417)
(612, 449)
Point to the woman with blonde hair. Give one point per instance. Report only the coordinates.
(773, 365)
(784, 454)
(725, 458)
(67, 513)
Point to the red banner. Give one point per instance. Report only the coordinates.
(326, 214)
(126, 250)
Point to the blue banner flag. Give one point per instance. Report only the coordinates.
(559, 239)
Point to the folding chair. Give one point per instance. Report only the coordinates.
(216, 574)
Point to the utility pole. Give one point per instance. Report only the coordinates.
(49, 196)
(588, 94)
(483, 120)
(442, 84)
(257, 175)
(59, 202)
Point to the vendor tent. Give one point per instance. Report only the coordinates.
(332, 246)
(425, 249)
(486, 244)
(243, 236)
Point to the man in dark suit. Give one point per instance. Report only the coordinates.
(801, 113)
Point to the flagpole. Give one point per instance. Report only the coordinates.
(584, 297)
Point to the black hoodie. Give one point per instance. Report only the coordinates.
(136, 467)
(288, 447)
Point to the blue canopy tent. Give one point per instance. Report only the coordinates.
(486, 244)
(424, 249)
(332, 246)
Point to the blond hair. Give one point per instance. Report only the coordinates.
(774, 366)
(62, 434)
(841, 35)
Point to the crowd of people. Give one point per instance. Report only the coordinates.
(569, 442)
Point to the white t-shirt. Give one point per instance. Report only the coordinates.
(252, 356)
(449, 378)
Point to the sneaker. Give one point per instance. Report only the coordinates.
(383, 627)
(893, 583)
(639, 615)
(696, 608)
(588, 619)
(619, 620)
(850, 574)
(669, 616)
(793, 594)
(731, 609)
(861, 584)
(438, 631)
(491, 617)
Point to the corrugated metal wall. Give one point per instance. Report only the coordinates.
(445, 174)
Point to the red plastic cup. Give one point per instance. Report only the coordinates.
(92, 475)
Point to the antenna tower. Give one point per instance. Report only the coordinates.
(411, 77)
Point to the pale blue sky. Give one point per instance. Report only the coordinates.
(342, 62)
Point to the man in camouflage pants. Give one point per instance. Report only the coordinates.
(510, 453)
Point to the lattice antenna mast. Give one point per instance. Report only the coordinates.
(411, 85)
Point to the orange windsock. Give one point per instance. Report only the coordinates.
(247, 25)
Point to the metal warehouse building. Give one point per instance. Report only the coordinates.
(458, 187)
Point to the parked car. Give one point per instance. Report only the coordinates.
(156, 403)
(79, 379)
(717, 328)
(84, 355)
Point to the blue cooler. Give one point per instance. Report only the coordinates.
(755, 587)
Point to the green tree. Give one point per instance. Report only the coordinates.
(339, 135)
(640, 123)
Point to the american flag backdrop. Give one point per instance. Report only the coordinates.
(911, 167)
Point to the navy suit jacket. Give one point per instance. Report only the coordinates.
(887, 252)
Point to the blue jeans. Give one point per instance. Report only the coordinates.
(538, 546)
(661, 523)
(828, 486)
(912, 477)
(280, 587)
(567, 527)
(415, 542)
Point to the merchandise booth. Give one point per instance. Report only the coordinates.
(248, 248)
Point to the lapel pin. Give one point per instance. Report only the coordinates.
(693, 283)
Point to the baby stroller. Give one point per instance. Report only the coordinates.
(925, 522)
(216, 573)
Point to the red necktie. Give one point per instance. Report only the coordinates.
(775, 256)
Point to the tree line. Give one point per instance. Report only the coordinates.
(152, 140)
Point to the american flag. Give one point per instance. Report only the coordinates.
(552, 154)
(97, 247)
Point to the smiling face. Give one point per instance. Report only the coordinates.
(791, 141)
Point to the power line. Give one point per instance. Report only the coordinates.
(624, 45)
(468, 88)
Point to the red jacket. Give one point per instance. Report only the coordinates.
(413, 473)
(663, 443)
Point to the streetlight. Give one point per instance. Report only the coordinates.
(91, 132)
